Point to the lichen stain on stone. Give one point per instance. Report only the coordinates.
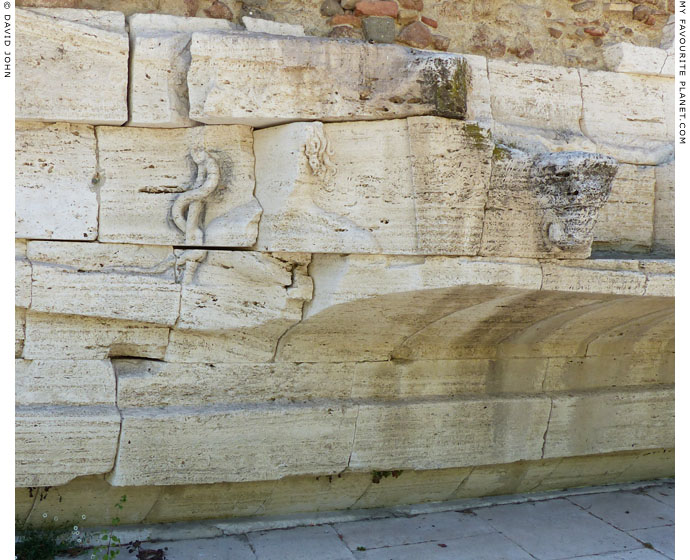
(479, 136)
(444, 85)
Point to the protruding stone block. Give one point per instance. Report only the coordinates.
(91, 338)
(71, 66)
(55, 444)
(153, 186)
(257, 25)
(206, 445)
(665, 208)
(64, 382)
(159, 63)
(634, 59)
(628, 116)
(299, 79)
(56, 179)
(414, 186)
(545, 205)
(104, 280)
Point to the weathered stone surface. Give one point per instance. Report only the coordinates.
(429, 435)
(537, 108)
(479, 92)
(105, 280)
(416, 35)
(598, 276)
(91, 338)
(55, 177)
(379, 29)
(256, 25)
(208, 445)
(22, 275)
(414, 186)
(55, 444)
(151, 178)
(664, 208)
(634, 59)
(626, 221)
(627, 116)
(159, 62)
(615, 421)
(64, 382)
(19, 330)
(545, 205)
(291, 79)
(72, 66)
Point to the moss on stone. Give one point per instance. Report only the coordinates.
(445, 87)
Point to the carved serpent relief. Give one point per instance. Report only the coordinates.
(186, 211)
(319, 152)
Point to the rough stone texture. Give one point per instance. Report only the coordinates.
(631, 127)
(388, 187)
(54, 445)
(633, 59)
(664, 209)
(160, 57)
(91, 338)
(22, 275)
(101, 280)
(64, 382)
(626, 221)
(19, 330)
(336, 80)
(66, 56)
(379, 29)
(56, 163)
(256, 25)
(146, 171)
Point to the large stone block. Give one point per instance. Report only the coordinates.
(537, 108)
(449, 434)
(178, 187)
(635, 59)
(288, 79)
(55, 178)
(71, 66)
(159, 61)
(55, 444)
(22, 275)
(628, 116)
(19, 330)
(584, 424)
(205, 445)
(626, 221)
(104, 280)
(77, 337)
(412, 186)
(64, 382)
(665, 209)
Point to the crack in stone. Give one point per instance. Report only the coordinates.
(546, 431)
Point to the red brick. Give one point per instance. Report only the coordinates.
(347, 19)
(376, 8)
(595, 31)
(430, 22)
(412, 4)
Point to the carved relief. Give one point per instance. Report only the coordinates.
(187, 210)
(319, 152)
(571, 187)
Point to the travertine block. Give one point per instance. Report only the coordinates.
(298, 79)
(479, 91)
(615, 421)
(55, 174)
(627, 116)
(257, 25)
(205, 445)
(91, 338)
(537, 108)
(413, 186)
(104, 280)
(19, 330)
(55, 444)
(599, 276)
(64, 382)
(449, 434)
(150, 175)
(159, 62)
(665, 208)
(626, 221)
(634, 59)
(72, 66)
(545, 205)
(143, 383)
(22, 275)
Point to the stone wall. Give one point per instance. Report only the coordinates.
(249, 263)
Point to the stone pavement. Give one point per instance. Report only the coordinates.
(624, 524)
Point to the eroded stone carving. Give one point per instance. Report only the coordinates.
(571, 187)
(187, 209)
(319, 151)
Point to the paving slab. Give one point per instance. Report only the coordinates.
(226, 548)
(491, 546)
(556, 529)
(661, 538)
(418, 529)
(626, 510)
(639, 554)
(320, 542)
(665, 494)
